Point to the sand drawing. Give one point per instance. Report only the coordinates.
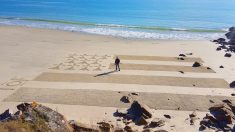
(14, 82)
(84, 62)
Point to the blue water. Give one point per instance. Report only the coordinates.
(157, 19)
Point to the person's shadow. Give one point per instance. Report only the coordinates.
(106, 73)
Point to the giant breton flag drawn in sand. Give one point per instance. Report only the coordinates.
(163, 82)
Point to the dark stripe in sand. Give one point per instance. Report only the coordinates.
(158, 58)
(134, 79)
(150, 67)
(112, 98)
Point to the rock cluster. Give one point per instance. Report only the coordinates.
(222, 117)
(231, 35)
(229, 44)
(40, 117)
(140, 114)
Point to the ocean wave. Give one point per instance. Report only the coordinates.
(116, 30)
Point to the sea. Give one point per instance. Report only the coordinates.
(147, 19)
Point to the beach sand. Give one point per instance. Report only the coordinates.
(58, 69)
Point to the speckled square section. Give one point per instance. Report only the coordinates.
(112, 98)
(151, 67)
(134, 79)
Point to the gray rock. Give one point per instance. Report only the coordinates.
(139, 109)
(126, 99)
(227, 55)
(156, 122)
(141, 121)
(232, 84)
(196, 64)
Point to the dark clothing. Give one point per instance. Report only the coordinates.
(117, 62)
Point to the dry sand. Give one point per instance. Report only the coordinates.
(26, 53)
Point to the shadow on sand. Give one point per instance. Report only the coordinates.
(106, 73)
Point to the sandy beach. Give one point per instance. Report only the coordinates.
(73, 73)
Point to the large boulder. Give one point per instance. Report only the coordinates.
(232, 84)
(231, 35)
(196, 64)
(139, 109)
(55, 121)
(232, 29)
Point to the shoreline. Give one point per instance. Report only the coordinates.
(121, 31)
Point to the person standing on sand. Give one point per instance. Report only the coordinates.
(117, 62)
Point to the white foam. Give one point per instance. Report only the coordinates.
(122, 32)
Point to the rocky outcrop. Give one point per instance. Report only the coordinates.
(222, 117)
(231, 36)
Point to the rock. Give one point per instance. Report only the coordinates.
(79, 127)
(194, 114)
(183, 55)
(193, 118)
(223, 113)
(156, 122)
(232, 94)
(221, 66)
(232, 84)
(141, 121)
(105, 126)
(221, 40)
(218, 49)
(227, 101)
(167, 116)
(189, 54)
(136, 94)
(232, 29)
(180, 58)
(126, 99)
(208, 68)
(139, 109)
(121, 112)
(55, 121)
(5, 116)
(128, 129)
(196, 64)
(211, 101)
(227, 55)
(181, 72)
(216, 107)
(23, 107)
